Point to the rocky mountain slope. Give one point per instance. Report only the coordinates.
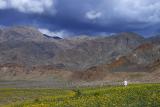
(25, 53)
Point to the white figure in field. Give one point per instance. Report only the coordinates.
(125, 83)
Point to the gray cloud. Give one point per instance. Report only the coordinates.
(85, 16)
(28, 6)
(146, 11)
(139, 10)
(93, 15)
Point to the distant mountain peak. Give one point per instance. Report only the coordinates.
(129, 35)
(21, 33)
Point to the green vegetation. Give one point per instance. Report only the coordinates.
(142, 95)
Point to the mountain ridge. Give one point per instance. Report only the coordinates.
(94, 58)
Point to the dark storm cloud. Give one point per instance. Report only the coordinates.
(89, 17)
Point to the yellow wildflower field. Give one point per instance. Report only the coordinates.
(140, 95)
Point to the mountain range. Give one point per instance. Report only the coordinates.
(27, 54)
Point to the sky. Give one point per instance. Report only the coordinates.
(83, 17)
